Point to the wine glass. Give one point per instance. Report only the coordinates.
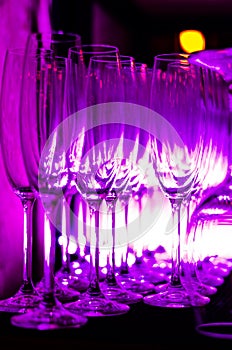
(79, 56)
(177, 152)
(109, 71)
(59, 42)
(41, 109)
(66, 282)
(26, 296)
(217, 62)
(105, 167)
(210, 206)
(213, 214)
(78, 63)
(217, 69)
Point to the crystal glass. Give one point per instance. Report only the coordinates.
(218, 63)
(66, 283)
(27, 296)
(207, 203)
(79, 57)
(177, 150)
(41, 110)
(93, 302)
(212, 217)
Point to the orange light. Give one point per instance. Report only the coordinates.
(191, 40)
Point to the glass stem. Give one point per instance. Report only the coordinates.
(28, 201)
(65, 268)
(94, 286)
(176, 243)
(49, 300)
(139, 247)
(124, 268)
(110, 275)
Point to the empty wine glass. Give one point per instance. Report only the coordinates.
(111, 73)
(213, 214)
(66, 282)
(27, 295)
(215, 63)
(41, 109)
(177, 155)
(93, 302)
(207, 203)
(78, 62)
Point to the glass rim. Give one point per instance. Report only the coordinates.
(105, 58)
(171, 56)
(86, 49)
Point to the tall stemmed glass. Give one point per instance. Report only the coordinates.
(79, 57)
(26, 296)
(217, 66)
(41, 110)
(177, 154)
(218, 62)
(209, 205)
(208, 158)
(59, 42)
(213, 214)
(106, 85)
(100, 174)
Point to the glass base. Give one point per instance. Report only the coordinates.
(197, 286)
(205, 289)
(120, 294)
(211, 280)
(66, 295)
(92, 306)
(78, 284)
(63, 294)
(42, 318)
(82, 268)
(176, 297)
(19, 303)
(220, 271)
(136, 286)
(151, 274)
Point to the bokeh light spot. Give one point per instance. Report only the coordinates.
(191, 40)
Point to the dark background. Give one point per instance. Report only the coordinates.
(144, 28)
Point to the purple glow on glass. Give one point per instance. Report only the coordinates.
(207, 65)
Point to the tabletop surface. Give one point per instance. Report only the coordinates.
(142, 327)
